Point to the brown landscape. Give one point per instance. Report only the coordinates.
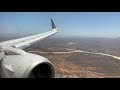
(78, 64)
(86, 67)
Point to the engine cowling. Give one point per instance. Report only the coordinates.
(26, 66)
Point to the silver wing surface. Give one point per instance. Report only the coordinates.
(27, 41)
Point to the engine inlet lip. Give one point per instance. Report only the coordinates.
(31, 67)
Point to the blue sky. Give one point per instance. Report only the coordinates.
(86, 24)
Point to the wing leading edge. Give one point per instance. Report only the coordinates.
(27, 41)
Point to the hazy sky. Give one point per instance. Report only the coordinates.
(90, 24)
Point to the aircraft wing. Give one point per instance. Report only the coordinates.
(27, 41)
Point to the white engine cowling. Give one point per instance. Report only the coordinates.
(26, 66)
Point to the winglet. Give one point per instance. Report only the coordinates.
(53, 25)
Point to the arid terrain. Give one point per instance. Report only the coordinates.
(78, 64)
(68, 63)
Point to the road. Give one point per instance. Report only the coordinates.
(80, 51)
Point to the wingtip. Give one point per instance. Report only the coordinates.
(53, 24)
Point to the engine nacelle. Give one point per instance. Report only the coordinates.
(26, 66)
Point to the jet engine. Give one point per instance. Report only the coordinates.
(26, 65)
(16, 63)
